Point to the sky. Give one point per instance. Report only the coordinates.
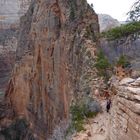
(116, 8)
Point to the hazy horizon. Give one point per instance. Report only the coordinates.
(117, 9)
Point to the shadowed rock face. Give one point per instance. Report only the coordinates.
(124, 46)
(54, 64)
(10, 13)
(8, 44)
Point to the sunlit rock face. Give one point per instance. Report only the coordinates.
(54, 64)
(125, 112)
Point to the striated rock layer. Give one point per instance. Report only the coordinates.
(125, 112)
(54, 63)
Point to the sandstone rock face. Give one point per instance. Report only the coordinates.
(54, 64)
(125, 112)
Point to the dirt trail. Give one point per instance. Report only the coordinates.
(97, 128)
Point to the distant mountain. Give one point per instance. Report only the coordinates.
(12, 10)
(107, 22)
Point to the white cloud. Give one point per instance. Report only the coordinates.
(116, 8)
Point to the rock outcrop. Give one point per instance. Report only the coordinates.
(125, 112)
(54, 64)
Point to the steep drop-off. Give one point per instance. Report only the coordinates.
(54, 64)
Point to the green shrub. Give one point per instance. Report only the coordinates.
(86, 108)
(73, 8)
(102, 64)
(122, 31)
(77, 113)
(72, 13)
(123, 61)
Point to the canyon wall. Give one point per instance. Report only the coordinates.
(126, 46)
(10, 13)
(54, 65)
(125, 112)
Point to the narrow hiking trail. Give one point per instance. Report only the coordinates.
(96, 128)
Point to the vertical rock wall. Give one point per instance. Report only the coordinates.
(54, 63)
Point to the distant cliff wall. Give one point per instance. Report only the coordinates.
(126, 46)
(10, 13)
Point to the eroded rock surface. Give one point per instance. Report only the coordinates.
(54, 64)
(125, 112)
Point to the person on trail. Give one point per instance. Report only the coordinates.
(108, 105)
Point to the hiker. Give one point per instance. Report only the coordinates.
(108, 105)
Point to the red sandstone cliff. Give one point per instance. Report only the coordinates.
(54, 63)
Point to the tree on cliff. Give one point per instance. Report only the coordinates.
(134, 13)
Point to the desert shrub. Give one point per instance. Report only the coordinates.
(77, 113)
(123, 61)
(81, 110)
(122, 31)
(73, 8)
(102, 64)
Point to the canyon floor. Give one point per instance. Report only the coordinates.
(96, 128)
